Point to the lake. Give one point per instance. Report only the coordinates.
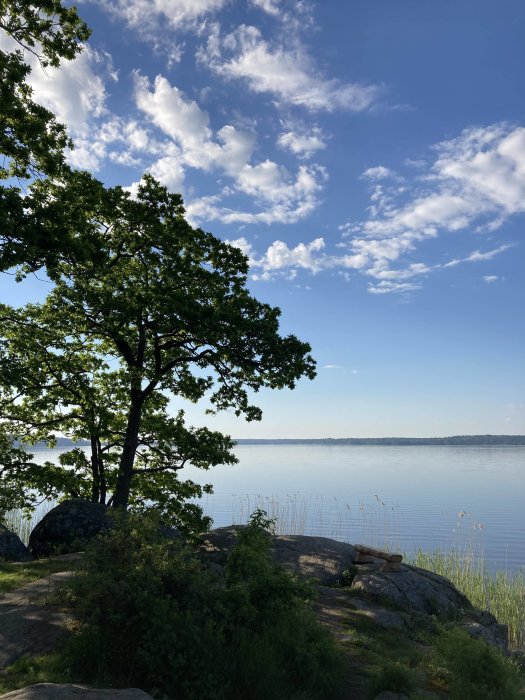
(405, 497)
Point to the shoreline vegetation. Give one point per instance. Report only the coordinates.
(500, 592)
(454, 440)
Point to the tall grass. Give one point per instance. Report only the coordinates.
(22, 524)
(375, 524)
(502, 594)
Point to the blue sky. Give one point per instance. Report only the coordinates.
(369, 157)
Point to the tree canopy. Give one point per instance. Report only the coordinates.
(163, 313)
(32, 142)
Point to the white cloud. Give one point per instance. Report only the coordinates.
(280, 195)
(76, 91)
(393, 287)
(303, 143)
(272, 7)
(490, 278)
(149, 16)
(478, 256)
(332, 367)
(288, 73)
(476, 181)
(377, 173)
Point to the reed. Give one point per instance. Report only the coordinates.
(502, 593)
(22, 523)
(376, 524)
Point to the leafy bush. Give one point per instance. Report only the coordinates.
(474, 670)
(392, 676)
(154, 617)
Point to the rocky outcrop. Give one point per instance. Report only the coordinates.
(483, 625)
(67, 691)
(390, 599)
(30, 623)
(11, 546)
(413, 590)
(68, 527)
(318, 558)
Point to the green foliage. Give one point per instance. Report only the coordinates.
(29, 670)
(163, 311)
(502, 593)
(473, 670)
(14, 576)
(32, 142)
(155, 618)
(393, 676)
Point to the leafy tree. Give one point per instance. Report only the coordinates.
(32, 142)
(163, 313)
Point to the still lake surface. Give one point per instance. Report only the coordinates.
(405, 497)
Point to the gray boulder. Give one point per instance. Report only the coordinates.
(67, 691)
(68, 527)
(413, 590)
(11, 546)
(319, 558)
(482, 624)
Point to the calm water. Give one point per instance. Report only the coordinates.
(406, 497)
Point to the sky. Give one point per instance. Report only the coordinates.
(369, 158)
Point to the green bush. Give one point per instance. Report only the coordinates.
(392, 676)
(154, 617)
(474, 670)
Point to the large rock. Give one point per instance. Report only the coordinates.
(318, 558)
(413, 590)
(483, 625)
(67, 691)
(68, 527)
(11, 546)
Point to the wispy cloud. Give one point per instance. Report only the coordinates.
(287, 73)
(147, 16)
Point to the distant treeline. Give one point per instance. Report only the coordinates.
(452, 440)
(400, 441)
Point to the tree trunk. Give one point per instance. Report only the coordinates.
(127, 459)
(95, 490)
(102, 474)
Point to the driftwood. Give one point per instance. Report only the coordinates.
(369, 554)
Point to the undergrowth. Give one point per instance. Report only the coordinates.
(153, 617)
(502, 594)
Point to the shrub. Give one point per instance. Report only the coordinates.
(392, 676)
(474, 670)
(154, 617)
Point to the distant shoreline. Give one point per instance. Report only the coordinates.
(457, 440)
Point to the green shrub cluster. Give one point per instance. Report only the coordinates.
(153, 617)
(473, 670)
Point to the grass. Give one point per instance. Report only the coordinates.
(502, 594)
(47, 668)
(375, 524)
(16, 575)
(430, 660)
(22, 524)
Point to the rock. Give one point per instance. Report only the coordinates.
(413, 590)
(388, 619)
(319, 558)
(11, 546)
(68, 691)
(30, 624)
(68, 527)
(483, 625)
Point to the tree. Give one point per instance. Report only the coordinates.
(32, 142)
(163, 313)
